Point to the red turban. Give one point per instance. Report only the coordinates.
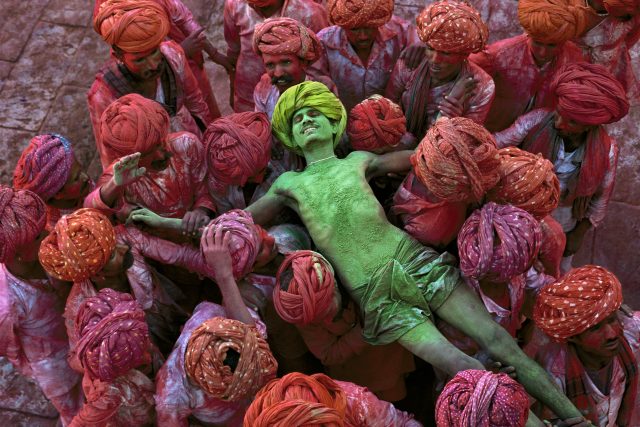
(207, 349)
(589, 94)
(132, 25)
(482, 399)
(281, 36)
(79, 246)
(44, 166)
(526, 181)
(308, 297)
(582, 298)
(113, 335)
(297, 413)
(351, 14)
(552, 21)
(498, 242)
(431, 221)
(22, 218)
(133, 124)
(375, 125)
(553, 243)
(452, 27)
(238, 147)
(245, 241)
(457, 160)
(622, 8)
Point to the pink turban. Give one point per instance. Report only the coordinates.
(482, 399)
(22, 218)
(498, 242)
(351, 14)
(452, 27)
(281, 36)
(44, 166)
(375, 125)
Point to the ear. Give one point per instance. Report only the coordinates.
(334, 126)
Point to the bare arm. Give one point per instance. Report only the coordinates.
(125, 171)
(394, 162)
(266, 208)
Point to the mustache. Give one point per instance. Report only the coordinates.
(286, 78)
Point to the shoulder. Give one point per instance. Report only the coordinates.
(475, 71)
(184, 144)
(631, 330)
(330, 36)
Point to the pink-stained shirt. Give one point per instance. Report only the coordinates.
(521, 85)
(172, 192)
(177, 398)
(240, 20)
(501, 17)
(189, 100)
(33, 338)
(357, 81)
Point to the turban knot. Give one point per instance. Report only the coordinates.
(457, 160)
(132, 25)
(452, 27)
(238, 147)
(526, 181)
(351, 14)
(206, 352)
(79, 246)
(308, 295)
(552, 21)
(113, 335)
(44, 166)
(376, 124)
(132, 124)
(498, 242)
(281, 36)
(622, 8)
(22, 218)
(306, 94)
(582, 298)
(589, 94)
(482, 399)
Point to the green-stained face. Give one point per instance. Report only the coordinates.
(310, 125)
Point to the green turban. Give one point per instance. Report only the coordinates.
(306, 94)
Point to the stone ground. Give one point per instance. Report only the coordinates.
(49, 54)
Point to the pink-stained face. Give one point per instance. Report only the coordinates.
(145, 65)
(444, 66)
(568, 127)
(156, 159)
(602, 339)
(542, 52)
(361, 38)
(284, 70)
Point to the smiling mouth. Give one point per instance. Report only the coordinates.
(308, 130)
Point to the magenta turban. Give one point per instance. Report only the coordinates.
(22, 218)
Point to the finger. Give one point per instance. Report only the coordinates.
(141, 171)
(225, 240)
(218, 236)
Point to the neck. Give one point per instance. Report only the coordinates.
(573, 142)
(590, 361)
(319, 152)
(435, 82)
(269, 11)
(26, 269)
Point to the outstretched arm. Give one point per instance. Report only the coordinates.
(266, 207)
(394, 162)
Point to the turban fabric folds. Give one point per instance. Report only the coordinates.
(351, 14)
(22, 218)
(207, 349)
(44, 166)
(113, 335)
(552, 21)
(238, 147)
(297, 412)
(306, 94)
(453, 27)
(526, 181)
(482, 399)
(79, 246)
(498, 242)
(375, 125)
(622, 8)
(260, 3)
(132, 124)
(582, 298)
(457, 160)
(132, 25)
(282, 36)
(308, 296)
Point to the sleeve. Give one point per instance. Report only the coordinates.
(317, 19)
(231, 30)
(320, 68)
(94, 200)
(600, 201)
(332, 349)
(484, 60)
(480, 103)
(259, 95)
(397, 82)
(634, 32)
(198, 168)
(193, 99)
(98, 99)
(182, 17)
(172, 403)
(370, 411)
(518, 131)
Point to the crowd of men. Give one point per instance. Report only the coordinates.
(381, 234)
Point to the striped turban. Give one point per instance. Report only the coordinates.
(452, 27)
(375, 125)
(132, 25)
(206, 352)
(305, 288)
(44, 166)
(582, 298)
(526, 181)
(281, 36)
(79, 246)
(457, 160)
(351, 14)
(552, 21)
(22, 218)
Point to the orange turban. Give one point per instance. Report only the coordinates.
(351, 14)
(452, 27)
(527, 181)
(582, 298)
(457, 160)
(375, 125)
(207, 349)
(297, 413)
(79, 246)
(22, 218)
(132, 25)
(133, 124)
(552, 21)
(305, 287)
(280, 36)
(622, 8)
